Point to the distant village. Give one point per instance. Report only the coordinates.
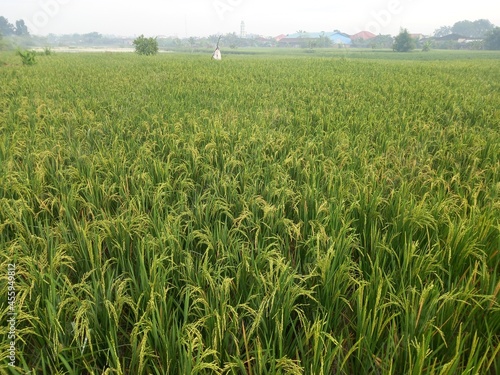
(462, 35)
(314, 40)
(363, 39)
(299, 39)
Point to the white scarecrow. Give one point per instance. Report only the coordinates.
(217, 55)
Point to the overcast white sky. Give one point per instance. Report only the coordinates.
(266, 17)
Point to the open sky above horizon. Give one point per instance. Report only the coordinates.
(208, 17)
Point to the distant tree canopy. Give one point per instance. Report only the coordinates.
(324, 40)
(382, 41)
(146, 46)
(471, 29)
(93, 37)
(442, 31)
(21, 28)
(403, 42)
(7, 29)
(493, 39)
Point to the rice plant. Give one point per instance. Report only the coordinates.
(263, 215)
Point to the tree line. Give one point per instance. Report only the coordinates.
(470, 29)
(7, 28)
(481, 29)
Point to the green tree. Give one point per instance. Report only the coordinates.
(192, 43)
(492, 40)
(442, 31)
(472, 29)
(146, 46)
(231, 39)
(93, 38)
(482, 28)
(6, 28)
(403, 42)
(21, 28)
(381, 41)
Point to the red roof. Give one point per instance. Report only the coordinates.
(364, 35)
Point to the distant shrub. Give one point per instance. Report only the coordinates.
(47, 51)
(27, 57)
(146, 46)
(403, 42)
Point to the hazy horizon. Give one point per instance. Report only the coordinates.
(207, 17)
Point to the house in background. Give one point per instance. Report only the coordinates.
(456, 41)
(341, 39)
(366, 39)
(363, 36)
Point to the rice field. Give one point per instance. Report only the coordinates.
(258, 215)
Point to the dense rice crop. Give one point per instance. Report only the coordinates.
(261, 215)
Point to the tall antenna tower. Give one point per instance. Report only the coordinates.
(243, 33)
